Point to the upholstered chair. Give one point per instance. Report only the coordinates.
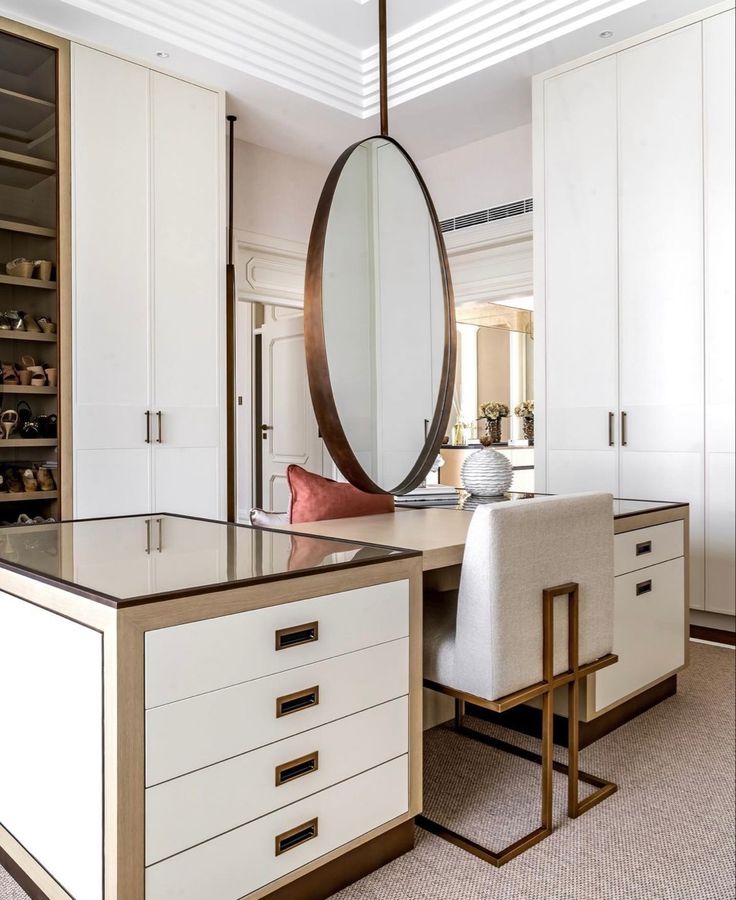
(534, 612)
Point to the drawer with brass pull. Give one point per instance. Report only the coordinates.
(186, 811)
(186, 660)
(648, 631)
(242, 860)
(648, 546)
(211, 727)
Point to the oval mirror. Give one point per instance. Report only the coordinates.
(379, 320)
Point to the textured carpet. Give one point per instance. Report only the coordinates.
(668, 834)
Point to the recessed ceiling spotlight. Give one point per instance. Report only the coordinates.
(162, 54)
(606, 34)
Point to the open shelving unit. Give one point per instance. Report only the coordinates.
(34, 225)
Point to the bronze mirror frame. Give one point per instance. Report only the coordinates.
(320, 386)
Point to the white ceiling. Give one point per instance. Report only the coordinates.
(302, 74)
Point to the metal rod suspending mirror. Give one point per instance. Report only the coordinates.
(379, 314)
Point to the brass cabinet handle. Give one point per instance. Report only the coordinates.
(160, 523)
(296, 702)
(295, 837)
(148, 535)
(643, 547)
(148, 426)
(297, 768)
(297, 635)
(611, 418)
(624, 437)
(159, 417)
(644, 587)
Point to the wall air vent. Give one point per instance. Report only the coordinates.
(483, 216)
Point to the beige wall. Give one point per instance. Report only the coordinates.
(493, 369)
(485, 173)
(275, 194)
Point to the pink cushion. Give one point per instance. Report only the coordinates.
(314, 498)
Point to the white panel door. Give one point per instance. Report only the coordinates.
(661, 278)
(188, 307)
(720, 327)
(290, 435)
(581, 277)
(110, 147)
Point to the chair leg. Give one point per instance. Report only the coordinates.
(500, 858)
(575, 806)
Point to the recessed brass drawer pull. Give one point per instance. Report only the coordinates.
(297, 635)
(289, 771)
(296, 836)
(291, 703)
(644, 587)
(643, 547)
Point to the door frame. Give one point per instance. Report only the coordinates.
(268, 270)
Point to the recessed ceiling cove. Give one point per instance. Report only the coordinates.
(327, 49)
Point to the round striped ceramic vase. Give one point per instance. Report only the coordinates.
(487, 473)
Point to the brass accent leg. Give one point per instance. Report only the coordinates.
(575, 806)
(501, 857)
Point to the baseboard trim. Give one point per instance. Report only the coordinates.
(352, 866)
(716, 635)
(528, 719)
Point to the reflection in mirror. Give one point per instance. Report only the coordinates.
(383, 305)
(495, 362)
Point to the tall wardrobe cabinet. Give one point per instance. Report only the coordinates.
(148, 292)
(634, 281)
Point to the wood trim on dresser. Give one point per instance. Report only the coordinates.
(714, 635)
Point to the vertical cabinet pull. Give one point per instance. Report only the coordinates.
(624, 436)
(610, 429)
(159, 417)
(148, 426)
(148, 535)
(295, 837)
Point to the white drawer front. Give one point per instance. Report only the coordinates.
(647, 546)
(187, 660)
(197, 732)
(648, 630)
(237, 863)
(196, 807)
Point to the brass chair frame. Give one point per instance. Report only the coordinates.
(544, 689)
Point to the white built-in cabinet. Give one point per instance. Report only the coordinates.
(634, 283)
(148, 239)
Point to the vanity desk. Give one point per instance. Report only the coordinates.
(651, 623)
(199, 710)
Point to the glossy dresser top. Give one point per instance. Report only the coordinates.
(139, 559)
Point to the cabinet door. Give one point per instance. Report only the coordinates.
(580, 201)
(720, 238)
(111, 284)
(188, 307)
(661, 277)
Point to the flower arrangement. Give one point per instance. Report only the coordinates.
(494, 410)
(525, 409)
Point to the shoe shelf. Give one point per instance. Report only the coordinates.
(28, 495)
(23, 110)
(8, 335)
(28, 442)
(26, 228)
(27, 389)
(27, 163)
(28, 282)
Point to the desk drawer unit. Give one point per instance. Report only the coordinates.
(209, 728)
(196, 807)
(186, 660)
(239, 862)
